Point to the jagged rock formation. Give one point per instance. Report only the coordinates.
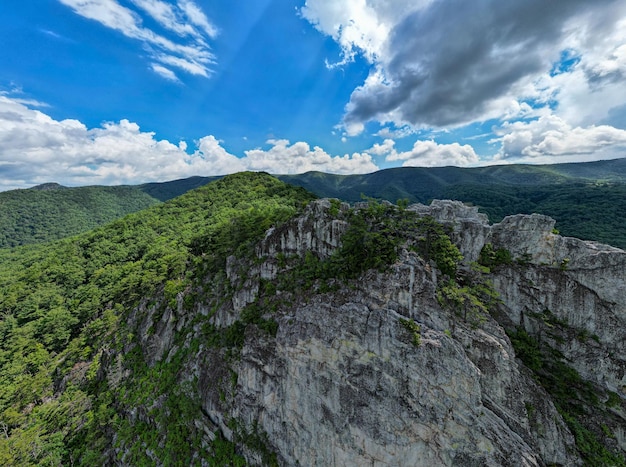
(579, 282)
(376, 371)
(48, 186)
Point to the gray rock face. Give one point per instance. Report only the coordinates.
(579, 282)
(469, 228)
(343, 382)
(316, 231)
(597, 315)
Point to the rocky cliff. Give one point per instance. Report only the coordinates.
(284, 364)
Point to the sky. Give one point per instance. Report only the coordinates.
(110, 92)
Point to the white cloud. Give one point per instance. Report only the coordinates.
(427, 154)
(52, 34)
(164, 72)
(216, 159)
(445, 64)
(165, 14)
(190, 52)
(110, 14)
(387, 148)
(35, 148)
(359, 26)
(190, 66)
(354, 25)
(283, 158)
(588, 92)
(550, 139)
(396, 133)
(197, 17)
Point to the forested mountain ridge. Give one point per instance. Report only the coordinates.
(64, 306)
(245, 324)
(50, 211)
(588, 200)
(164, 191)
(419, 184)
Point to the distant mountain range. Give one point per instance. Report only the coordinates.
(246, 323)
(588, 200)
(420, 184)
(51, 211)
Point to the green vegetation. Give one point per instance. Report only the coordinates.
(164, 191)
(470, 293)
(491, 258)
(52, 212)
(587, 200)
(585, 210)
(256, 440)
(435, 244)
(371, 241)
(63, 304)
(414, 331)
(573, 397)
(471, 296)
(65, 309)
(376, 233)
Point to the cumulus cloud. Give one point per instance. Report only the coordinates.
(188, 51)
(593, 87)
(35, 148)
(550, 139)
(284, 158)
(427, 154)
(355, 26)
(448, 63)
(215, 158)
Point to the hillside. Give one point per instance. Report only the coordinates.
(420, 184)
(590, 211)
(168, 190)
(50, 211)
(586, 199)
(65, 307)
(245, 324)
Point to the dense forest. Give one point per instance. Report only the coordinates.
(50, 211)
(590, 211)
(586, 199)
(70, 308)
(61, 304)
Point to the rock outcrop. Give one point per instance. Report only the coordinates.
(376, 371)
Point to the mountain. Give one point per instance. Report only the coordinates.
(245, 323)
(49, 187)
(50, 211)
(421, 184)
(587, 199)
(608, 170)
(168, 190)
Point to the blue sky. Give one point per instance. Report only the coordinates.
(130, 91)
